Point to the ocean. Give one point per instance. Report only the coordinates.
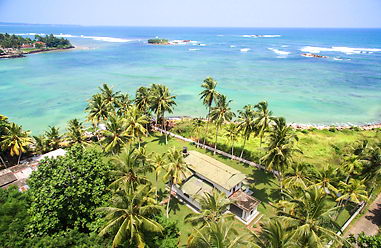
(250, 65)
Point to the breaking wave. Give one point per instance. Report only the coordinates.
(346, 50)
(279, 52)
(97, 38)
(261, 35)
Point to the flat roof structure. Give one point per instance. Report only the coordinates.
(194, 186)
(244, 201)
(214, 170)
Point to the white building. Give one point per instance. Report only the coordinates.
(206, 174)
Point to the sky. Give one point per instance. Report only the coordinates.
(196, 13)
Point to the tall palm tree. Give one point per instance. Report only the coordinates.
(280, 150)
(310, 218)
(162, 101)
(110, 98)
(143, 99)
(197, 124)
(246, 124)
(97, 109)
(214, 207)
(354, 191)
(232, 135)
(129, 171)
(76, 132)
(15, 140)
(123, 103)
(220, 114)
(297, 175)
(263, 119)
(175, 171)
(326, 179)
(54, 137)
(135, 123)
(221, 234)
(209, 96)
(274, 234)
(130, 216)
(158, 161)
(115, 135)
(40, 144)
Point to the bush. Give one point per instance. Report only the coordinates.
(158, 41)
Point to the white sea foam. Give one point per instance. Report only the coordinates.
(232, 46)
(193, 49)
(261, 35)
(98, 38)
(31, 34)
(284, 45)
(278, 51)
(202, 44)
(346, 50)
(244, 50)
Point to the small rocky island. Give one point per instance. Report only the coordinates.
(16, 46)
(311, 55)
(158, 41)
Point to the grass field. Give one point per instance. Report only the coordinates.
(263, 184)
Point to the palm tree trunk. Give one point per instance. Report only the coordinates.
(232, 150)
(260, 140)
(18, 160)
(156, 178)
(215, 144)
(207, 125)
(165, 130)
(169, 198)
(243, 147)
(3, 162)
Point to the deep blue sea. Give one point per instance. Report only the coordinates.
(51, 88)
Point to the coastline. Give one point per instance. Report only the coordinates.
(22, 54)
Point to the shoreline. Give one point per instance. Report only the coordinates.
(22, 54)
(300, 126)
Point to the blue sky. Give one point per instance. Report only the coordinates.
(209, 13)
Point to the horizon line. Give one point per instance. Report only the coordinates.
(153, 26)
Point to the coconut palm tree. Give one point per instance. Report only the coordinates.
(175, 171)
(280, 149)
(297, 175)
(274, 234)
(110, 98)
(123, 103)
(197, 125)
(162, 101)
(76, 132)
(158, 161)
(98, 110)
(221, 234)
(263, 119)
(209, 96)
(143, 99)
(214, 207)
(130, 216)
(326, 179)
(115, 135)
(15, 140)
(246, 124)
(309, 218)
(220, 114)
(54, 137)
(129, 171)
(354, 191)
(352, 164)
(135, 123)
(40, 144)
(231, 134)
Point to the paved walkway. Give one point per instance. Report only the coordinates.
(370, 222)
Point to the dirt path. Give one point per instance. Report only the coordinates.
(370, 222)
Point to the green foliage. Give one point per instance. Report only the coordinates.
(52, 41)
(168, 238)
(158, 41)
(12, 41)
(15, 41)
(363, 241)
(65, 191)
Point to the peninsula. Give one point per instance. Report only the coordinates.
(15, 46)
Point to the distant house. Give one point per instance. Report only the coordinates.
(26, 46)
(206, 174)
(39, 44)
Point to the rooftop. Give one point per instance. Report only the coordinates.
(195, 186)
(214, 170)
(244, 201)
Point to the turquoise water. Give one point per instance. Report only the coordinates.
(51, 88)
